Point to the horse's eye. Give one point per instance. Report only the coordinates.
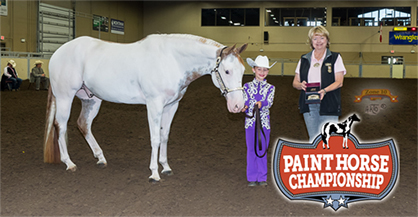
(227, 72)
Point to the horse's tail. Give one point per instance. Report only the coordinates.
(324, 133)
(51, 148)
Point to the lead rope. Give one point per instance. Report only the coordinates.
(259, 132)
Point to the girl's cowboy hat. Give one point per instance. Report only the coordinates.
(38, 62)
(260, 61)
(12, 62)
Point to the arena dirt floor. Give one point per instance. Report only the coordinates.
(206, 151)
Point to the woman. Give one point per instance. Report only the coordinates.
(324, 67)
(10, 75)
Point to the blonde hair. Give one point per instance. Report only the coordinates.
(318, 30)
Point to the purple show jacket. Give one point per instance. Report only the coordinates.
(258, 91)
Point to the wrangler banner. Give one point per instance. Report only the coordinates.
(403, 38)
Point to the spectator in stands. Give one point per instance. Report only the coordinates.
(10, 75)
(39, 75)
(324, 67)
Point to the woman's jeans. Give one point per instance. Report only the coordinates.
(314, 121)
(16, 82)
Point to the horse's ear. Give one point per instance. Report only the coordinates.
(229, 50)
(242, 48)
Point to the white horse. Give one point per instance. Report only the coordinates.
(155, 71)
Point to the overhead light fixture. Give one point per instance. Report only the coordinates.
(268, 11)
(237, 24)
(224, 18)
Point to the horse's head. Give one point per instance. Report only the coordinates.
(354, 118)
(227, 76)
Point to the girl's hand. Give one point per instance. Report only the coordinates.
(259, 104)
(245, 108)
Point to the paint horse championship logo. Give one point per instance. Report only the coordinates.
(346, 171)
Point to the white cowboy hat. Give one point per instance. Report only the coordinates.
(260, 61)
(12, 62)
(38, 62)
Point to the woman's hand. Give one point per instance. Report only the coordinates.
(322, 93)
(297, 84)
(303, 85)
(244, 109)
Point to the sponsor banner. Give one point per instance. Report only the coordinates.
(3, 7)
(376, 103)
(375, 94)
(346, 171)
(403, 38)
(117, 27)
(100, 22)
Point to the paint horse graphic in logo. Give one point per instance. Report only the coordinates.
(339, 128)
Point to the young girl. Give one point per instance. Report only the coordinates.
(258, 93)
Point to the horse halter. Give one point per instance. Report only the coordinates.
(224, 89)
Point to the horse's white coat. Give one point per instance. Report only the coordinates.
(154, 71)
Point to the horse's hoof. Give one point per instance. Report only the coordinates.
(102, 165)
(167, 172)
(72, 169)
(152, 180)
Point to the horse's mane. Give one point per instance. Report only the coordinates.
(194, 38)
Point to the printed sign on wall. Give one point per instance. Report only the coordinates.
(403, 38)
(3, 8)
(102, 22)
(117, 27)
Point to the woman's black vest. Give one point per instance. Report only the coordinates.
(331, 103)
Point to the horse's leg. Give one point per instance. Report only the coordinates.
(61, 119)
(346, 140)
(154, 111)
(328, 136)
(90, 108)
(167, 118)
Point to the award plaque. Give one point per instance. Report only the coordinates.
(312, 95)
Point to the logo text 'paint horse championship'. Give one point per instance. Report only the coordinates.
(335, 176)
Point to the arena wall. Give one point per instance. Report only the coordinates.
(21, 21)
(284, 42)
